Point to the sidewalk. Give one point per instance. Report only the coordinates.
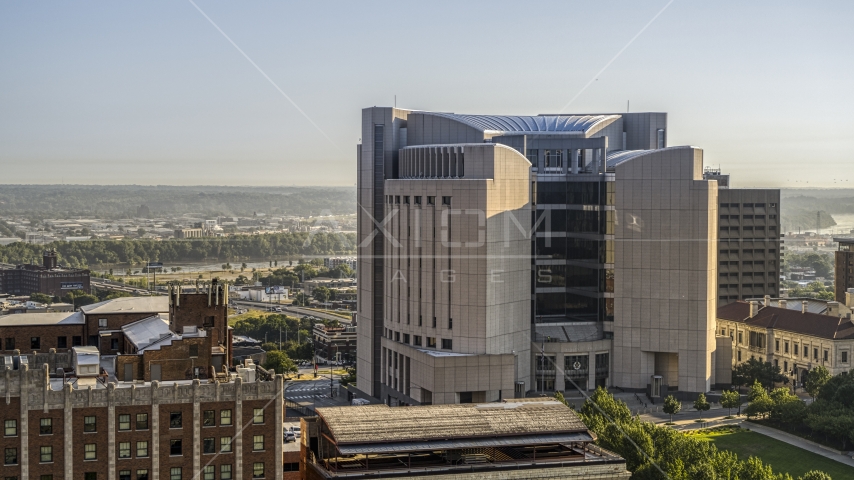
(800, 443)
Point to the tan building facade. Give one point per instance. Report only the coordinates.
(457, 305)
(665, 271)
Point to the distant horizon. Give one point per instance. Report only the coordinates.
(271, 93)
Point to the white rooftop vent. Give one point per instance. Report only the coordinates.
(87, 361)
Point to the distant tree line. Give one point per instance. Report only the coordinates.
(38, 202)
(133, 252)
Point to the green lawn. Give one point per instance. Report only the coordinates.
(781, 456)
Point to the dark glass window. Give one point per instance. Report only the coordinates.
(447, 344)
(554, 248)
(550, 220)
(583, 221)
(209, 445)
(61, 342)
(175, 420)
(175, 446)
(209, 418)
(583, 193)
(551, 193)
(76, 341)
(35, 343)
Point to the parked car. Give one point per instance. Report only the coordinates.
(295, 431)
(290, 437)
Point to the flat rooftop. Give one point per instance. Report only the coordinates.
(34, 319)
(157, 304)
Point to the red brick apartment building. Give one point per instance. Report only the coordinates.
(76, 415)
(49, 277)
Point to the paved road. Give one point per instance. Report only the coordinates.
(316, 393)
(290, 309)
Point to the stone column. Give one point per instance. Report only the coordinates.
(24, 456)
(237, 440)
(278, 428)
(155, 432)
(111, 431)
(560, 374)
(68, 422)
(591, 371)
(197, 430)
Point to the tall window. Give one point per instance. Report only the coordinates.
(258, 416)
(209, 418)
(142, 474)
(225, 444)
(89, 424)
(175, 420)
(210, 472)
(124, 449)
(225, 417)
(209, 445)
(258, 443)
(35, 343)
(175, 447)
(46, 426)
(258, 470)
(10, 456)
(175, 473)
(46, 454)
(124, 422)
(90, 452)
(141, 449)
(225, 472)
(142, 421)
(10, 428)
(124, 474)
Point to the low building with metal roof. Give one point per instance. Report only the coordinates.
(516, 438)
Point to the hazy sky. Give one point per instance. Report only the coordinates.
(152, 93)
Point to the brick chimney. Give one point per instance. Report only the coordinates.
(767, 300)
(754, 308)
(804, 306)
(783, 303)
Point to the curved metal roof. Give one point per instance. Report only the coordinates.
(620, 156)
(539, 123)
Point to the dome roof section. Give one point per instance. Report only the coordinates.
(508, 124)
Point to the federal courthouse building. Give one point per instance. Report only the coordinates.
(504, 254)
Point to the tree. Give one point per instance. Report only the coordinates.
(279, 362)
(753, 371)
(760, 402)
(41, 298)
(672, 406)
(815, 475)
(243, 266)
(816, 378)
(321, 294)
(301, 299)
(141, 231)
(701, 404)
(730, 399)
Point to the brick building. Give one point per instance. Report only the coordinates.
(88, 422)
(49, 278)
(335, 343)
(100, 324)
(843, 268)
